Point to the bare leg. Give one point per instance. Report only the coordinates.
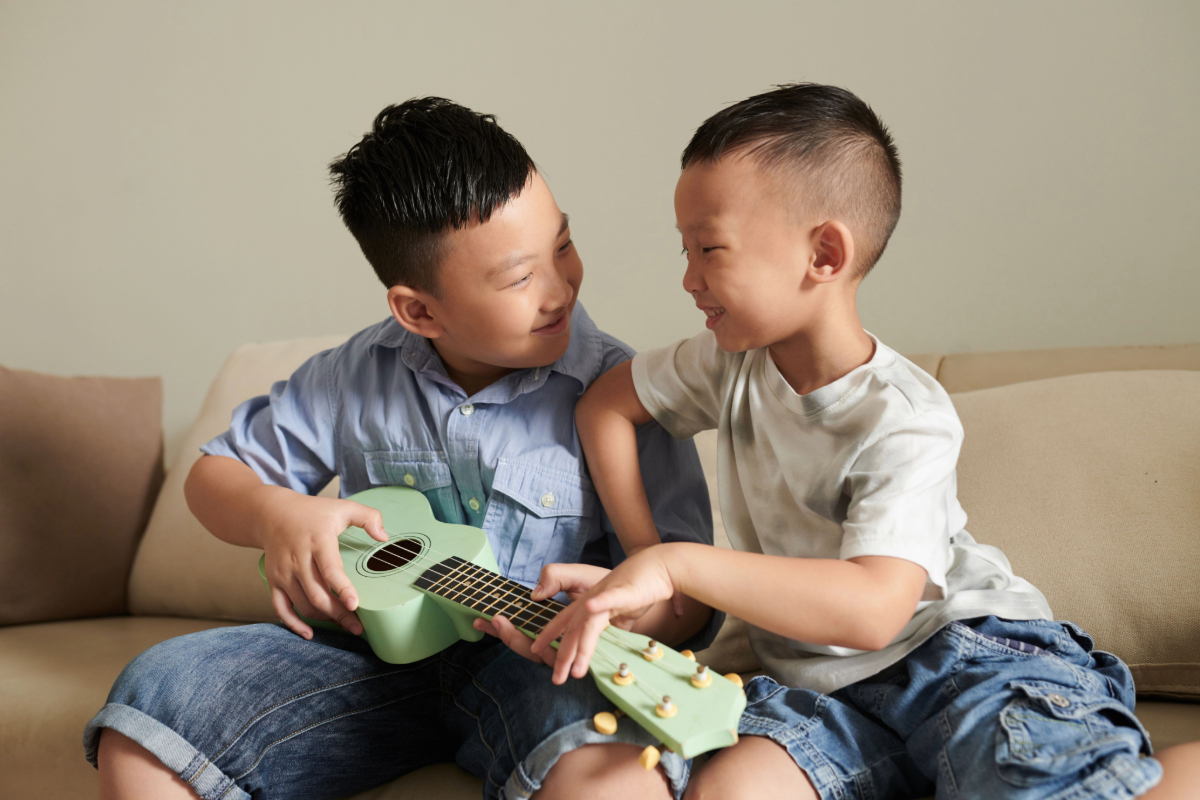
(1181, 773)
(602, 772)
(129, 771)
(753, 768)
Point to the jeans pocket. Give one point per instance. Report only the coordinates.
(1051, 731)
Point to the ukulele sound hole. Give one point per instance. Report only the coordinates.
(394, 556)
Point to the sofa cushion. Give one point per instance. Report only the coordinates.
(53, 678)
(966, 372)
(181, 569)
(1090, 484)
(80, 465)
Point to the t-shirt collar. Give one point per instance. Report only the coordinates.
(820, 399)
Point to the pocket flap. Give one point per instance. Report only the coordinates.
(543, 491)
(423, 470)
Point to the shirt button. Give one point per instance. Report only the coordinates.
(1058, 700)
(474, 504)
(467, 410)
(409, 479)
(547, 500)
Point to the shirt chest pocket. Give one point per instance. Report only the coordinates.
(424, 470)
(539, 515)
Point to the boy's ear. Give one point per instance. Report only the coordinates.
(833, 252)
(411, 309)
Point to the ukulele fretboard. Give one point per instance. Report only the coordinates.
(488, 593)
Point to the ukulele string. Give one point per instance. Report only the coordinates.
(547, 606)
(651, 693)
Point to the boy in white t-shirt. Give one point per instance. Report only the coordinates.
(902, 657)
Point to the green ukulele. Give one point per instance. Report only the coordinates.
(420, 591)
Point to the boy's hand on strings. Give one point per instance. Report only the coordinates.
(303, 565)
(620, 598)
(572, 579)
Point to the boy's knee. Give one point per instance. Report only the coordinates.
(602, 771)
(752, 769)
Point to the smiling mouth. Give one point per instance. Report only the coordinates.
(714, 315)
(554, 327)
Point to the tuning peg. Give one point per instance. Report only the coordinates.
(623, 677)
(649, 757)
(701, 678)
(733, 677)
(688, 654)
(666, 708)
(605, 723)
(652, 652)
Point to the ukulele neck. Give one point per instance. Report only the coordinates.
(487, 593)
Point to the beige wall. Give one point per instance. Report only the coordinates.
(163, 195)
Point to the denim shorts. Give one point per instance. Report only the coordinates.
(256, 711)
(986, 708)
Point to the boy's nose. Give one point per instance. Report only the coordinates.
(559, 293)
(692, 281)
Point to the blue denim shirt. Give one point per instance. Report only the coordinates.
(380, 411)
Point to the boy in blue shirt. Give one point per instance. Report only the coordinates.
(903, 658)
(467, 394)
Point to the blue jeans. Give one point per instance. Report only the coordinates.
(987, 708)
(256, 711)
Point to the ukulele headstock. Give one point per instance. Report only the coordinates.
(704, 706)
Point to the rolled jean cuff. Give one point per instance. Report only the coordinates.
(528, 776)
(167, 746)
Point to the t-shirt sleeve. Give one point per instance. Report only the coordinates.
(903, 494)
(681, 384)
(287, 436)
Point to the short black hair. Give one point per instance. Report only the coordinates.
(841, 152)
(426, 166)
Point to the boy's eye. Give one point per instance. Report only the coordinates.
(566, 245)
(521, 282)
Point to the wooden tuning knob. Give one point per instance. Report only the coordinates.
(733, 677)
(623, 677)
(649, 757)
(688, 654)
(605, 723)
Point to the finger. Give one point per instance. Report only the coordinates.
(283, 608)
(369, 519)
(566, 655)
(573, 579)
(300, 601)
(678, 603)
(317, 593)
(485, 626)
(589, 636)
(614, 599)
(519, 642)
(329, 564)
(554, 629)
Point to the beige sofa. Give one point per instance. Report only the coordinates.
(1083, 465)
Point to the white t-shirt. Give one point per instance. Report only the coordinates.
(862, 467)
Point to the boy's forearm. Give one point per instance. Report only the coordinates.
(861, 603)
(228, 498)
(606, 418)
